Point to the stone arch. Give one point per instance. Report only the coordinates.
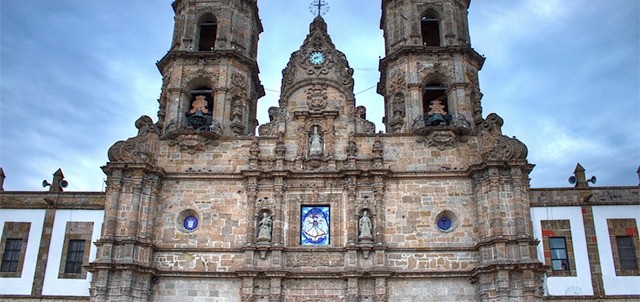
(207, 32)
(430, 28)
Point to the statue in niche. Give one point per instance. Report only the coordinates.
(199, 104)
(437, 114)
(236, 112)
(264, 227)
(398, 106)
(315, 143)
(366, 229)
(199, 117)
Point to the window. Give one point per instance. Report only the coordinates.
(75, 256)
(559, 256)
(11, 256)
(315, 226)
(208, 31)
(430, 26)
(626, 253)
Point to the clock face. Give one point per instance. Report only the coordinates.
(316, 58)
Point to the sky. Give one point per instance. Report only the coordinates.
(76, 74)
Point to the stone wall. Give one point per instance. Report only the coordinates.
(196, 290)
(449, 289)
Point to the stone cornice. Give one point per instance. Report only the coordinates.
(210, 55)
(422, 50)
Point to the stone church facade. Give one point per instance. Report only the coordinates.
(318, 207)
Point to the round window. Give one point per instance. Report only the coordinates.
(444, 223)
(190, 223)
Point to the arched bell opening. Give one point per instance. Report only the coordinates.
(207, 32)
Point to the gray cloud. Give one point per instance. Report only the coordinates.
(76, 74)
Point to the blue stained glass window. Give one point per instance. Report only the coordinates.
(315, 225)
(444, 223)
(191, 223)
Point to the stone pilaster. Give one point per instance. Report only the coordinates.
(123, 268)
(508, 270)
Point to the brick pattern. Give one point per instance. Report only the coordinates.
(15, 230)
(558, 228)
(76, 231)
(623, 227)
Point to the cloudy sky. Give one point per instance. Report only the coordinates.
(76, 74)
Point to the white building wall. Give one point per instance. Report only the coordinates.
(614, 285)
(572, 285)
(23, 284)
(54, 286)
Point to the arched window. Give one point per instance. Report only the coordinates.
(208, 27)
(430, 26)
(435, 105)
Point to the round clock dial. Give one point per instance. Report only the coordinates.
(316, 58)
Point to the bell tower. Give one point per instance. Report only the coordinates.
(429, 81)
(210, 74)
(429, 74)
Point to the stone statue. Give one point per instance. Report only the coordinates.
(264, 227)
(199, 104)
(315, 143)
(437, 114)
(366, 228)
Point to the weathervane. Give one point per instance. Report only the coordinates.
(319, 7)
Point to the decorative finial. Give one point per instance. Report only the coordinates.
(319, 7)
(2, 177)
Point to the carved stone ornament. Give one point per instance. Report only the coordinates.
(442, 136)
(140, 149)
(397, 81)
(199, 76)
(377, 148)
(254, 150)
(352, 149)
(499, 147)
(440, 139)
(280, 149)
(317, 97)
(362, 124)
(398, 111)
(317, 57)
(239, 85)
(276, 118)
(193, 141)
(506, 148)
(237, 116)
(190, 143)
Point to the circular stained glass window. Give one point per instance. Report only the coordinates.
(190, 223)
(444, 223)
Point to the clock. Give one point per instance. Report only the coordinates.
(316, 58)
